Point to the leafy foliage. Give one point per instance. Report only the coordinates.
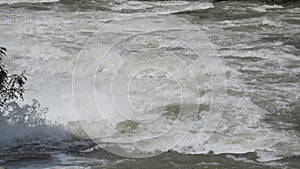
(11, 88)
(11, 85)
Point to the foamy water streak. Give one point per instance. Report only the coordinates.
(161, 7)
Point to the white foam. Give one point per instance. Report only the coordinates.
(162, 7)
(264, 8)
(165, 8)
(12, 135)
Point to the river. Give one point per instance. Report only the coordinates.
(173, 84)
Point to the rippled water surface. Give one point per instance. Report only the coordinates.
(257, 44)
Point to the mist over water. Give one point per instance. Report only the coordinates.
(238, 57)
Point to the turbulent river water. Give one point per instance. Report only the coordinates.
(187, 84)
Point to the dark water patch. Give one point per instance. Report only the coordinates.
(33, 161)
(270, 78)
(85, 5)
(42, 6)
(221, 11)
(287, 119)
(292, 21)
(286, 39)
(171, 160)
(249, 29)
(243, 59)
(63, 5)
(126, 126)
